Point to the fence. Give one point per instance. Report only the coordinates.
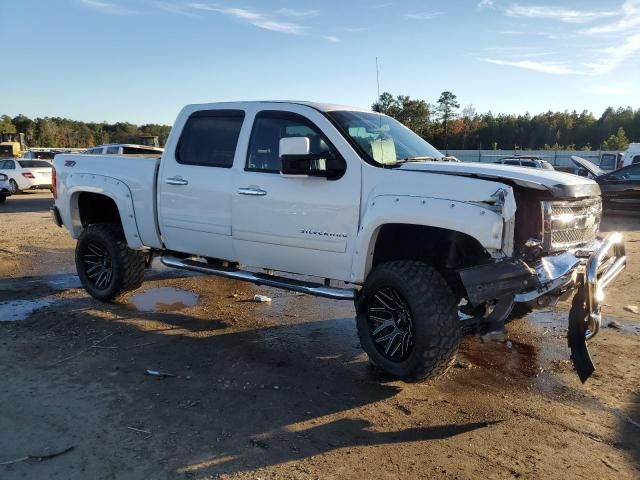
(557, 158)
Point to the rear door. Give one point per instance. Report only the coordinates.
(290, 223)
(195, 183)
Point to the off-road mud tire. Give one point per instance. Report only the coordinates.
(434, 311)
(127, 265)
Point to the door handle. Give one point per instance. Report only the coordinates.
(176, 181)
(252, 191)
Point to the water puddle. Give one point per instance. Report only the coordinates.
(165, 299)
(16, 310)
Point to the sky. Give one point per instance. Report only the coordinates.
(143, 60)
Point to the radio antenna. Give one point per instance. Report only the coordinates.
(378, 78)
(379, 113)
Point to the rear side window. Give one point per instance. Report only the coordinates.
(209, 138)
(112, 150)
(635, 160)
(512, 162)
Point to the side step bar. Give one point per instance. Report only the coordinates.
(316, 289)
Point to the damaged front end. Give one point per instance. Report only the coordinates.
(566, 258)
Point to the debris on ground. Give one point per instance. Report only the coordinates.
(156, 373)
(261, 299)
(38, 458)
(140, 430)
(614, 324)
(609, 464)
(632, 308)
(463, 364)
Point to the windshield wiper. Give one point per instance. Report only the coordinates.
(412, 159)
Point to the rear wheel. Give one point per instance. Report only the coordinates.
(13, 187)
(408, 320)
(2, 198)
(107, 267)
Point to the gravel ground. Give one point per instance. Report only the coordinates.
(283, 390)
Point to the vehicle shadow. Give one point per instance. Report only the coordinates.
(630, 428)
(26, 202)
(242, 398)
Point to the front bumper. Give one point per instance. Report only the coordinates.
(589, 271)
(591, 268)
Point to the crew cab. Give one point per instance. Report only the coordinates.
(352, 201)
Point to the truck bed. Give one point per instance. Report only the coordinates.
(138, 174)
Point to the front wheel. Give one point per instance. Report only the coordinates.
(107, 267)
(407, 319)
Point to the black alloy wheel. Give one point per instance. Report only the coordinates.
(391, 324)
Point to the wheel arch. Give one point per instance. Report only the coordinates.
(417, 222)
(110, 203)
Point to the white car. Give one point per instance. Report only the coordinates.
(125, 149)
(258, 189)
(26, 174)
(4, 187)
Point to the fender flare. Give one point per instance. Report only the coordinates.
(452, 215)
(113, 188)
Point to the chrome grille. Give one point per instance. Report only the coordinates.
(570, 224)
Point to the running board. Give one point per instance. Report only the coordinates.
(316, 289)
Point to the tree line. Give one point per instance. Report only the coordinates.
(64, 133)
(444, 126)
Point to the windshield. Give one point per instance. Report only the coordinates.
(383, 140)
(34, 164)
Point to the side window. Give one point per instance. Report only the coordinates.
(635, 160)
(209, 138)
(10, 165)
(528, 163)
(112, 150)
(269, 127)
(627, 173)
(512, 162)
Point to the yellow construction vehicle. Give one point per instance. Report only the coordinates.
(12, 145)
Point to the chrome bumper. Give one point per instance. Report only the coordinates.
(600, 263)
(603, 266)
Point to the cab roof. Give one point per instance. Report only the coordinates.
(322, 107)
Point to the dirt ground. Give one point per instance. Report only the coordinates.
(283, 390)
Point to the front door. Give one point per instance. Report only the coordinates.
(194, 185)
(295, 224)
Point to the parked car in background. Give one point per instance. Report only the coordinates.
(125, 149)
(4, 187)
(610, 161)
(620, 188)
(26, 174)
(39, 155)
(526, 161)
(631, 156)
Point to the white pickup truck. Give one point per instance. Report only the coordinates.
(268, 191)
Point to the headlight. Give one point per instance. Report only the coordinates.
(570, 224)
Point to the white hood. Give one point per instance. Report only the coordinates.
(559, 183)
